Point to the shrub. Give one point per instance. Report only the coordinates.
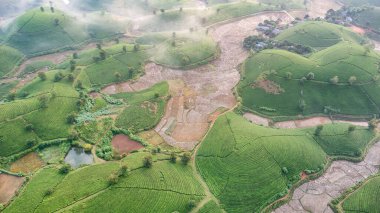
(123, 170)
(64, 169)
(43, 99)
(71, 118)
(30, 143)
(334, 80)
(318, 130)
(191, 204)
(71, 77)
(302, 105)
(173, 157)
(284, 170)
(11, 96)
(49, 192)
(29, 127)
(310, 76)
(42, 76)
(58, 76)
(352, 80)
(113, 179)
(351, 128)
(87, 147)
(136, 47)
(289, 75)
(148, 162)
(185, 158)
(372, 124)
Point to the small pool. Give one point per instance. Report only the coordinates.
(77, 157)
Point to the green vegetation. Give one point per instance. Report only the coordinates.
(35, 66)
(182, 51)
(165, 187)
(318, 34)
(210, 207)
(266, 82)
(270, 160)
(39, 32)
(364, 199)
(5, 88)
(369, 18)
(36, 190)
(9, 59)
(361, 2)
(145, 108)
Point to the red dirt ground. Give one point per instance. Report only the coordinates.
(357, 30)
(27, 164)
(9, 185)
(123, 144)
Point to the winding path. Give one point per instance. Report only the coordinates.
(315, 195)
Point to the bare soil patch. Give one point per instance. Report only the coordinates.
(358, 30)
(124, 145)
(27, 164)
(268, 86)
(318, 8)
(256, 119)
(9, 185)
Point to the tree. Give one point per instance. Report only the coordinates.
(44, 100)
(130, 72)
(351, 128)
(124, 49)
(117, 76)
(30, 143)
(318, 130)
(75, 55)
(284, 170)
(56, 22)
(352, 80)
(148, 162)
(310, 76)
(185, 158)
(372, 124)
(302, 81)
(113, 179)
(102, 55)
(123, 170)
(64, 169)
(11, 96)
(173, 157)
(29, 127)
(99, 46)
(79, 84)
(191, 204)
(52, 9)
(58, 76)
(71, 118)
(49, 192)
(42, 76)
(42, 9)
(289, 75)
(70, 77)
(162, 10)
(302, 105)
(136, 47)
(334, 80)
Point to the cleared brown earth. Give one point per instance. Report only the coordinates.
(123, 144)
(27, 164)
(206, 88)
(9, 185)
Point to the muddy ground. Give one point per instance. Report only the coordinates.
(27, 164)
(124, 145)
(9, 185)
(301, 123)
(315, 195)
(204, 89)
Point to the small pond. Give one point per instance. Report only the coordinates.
(77, 157)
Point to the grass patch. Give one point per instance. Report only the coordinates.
(9, 59)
